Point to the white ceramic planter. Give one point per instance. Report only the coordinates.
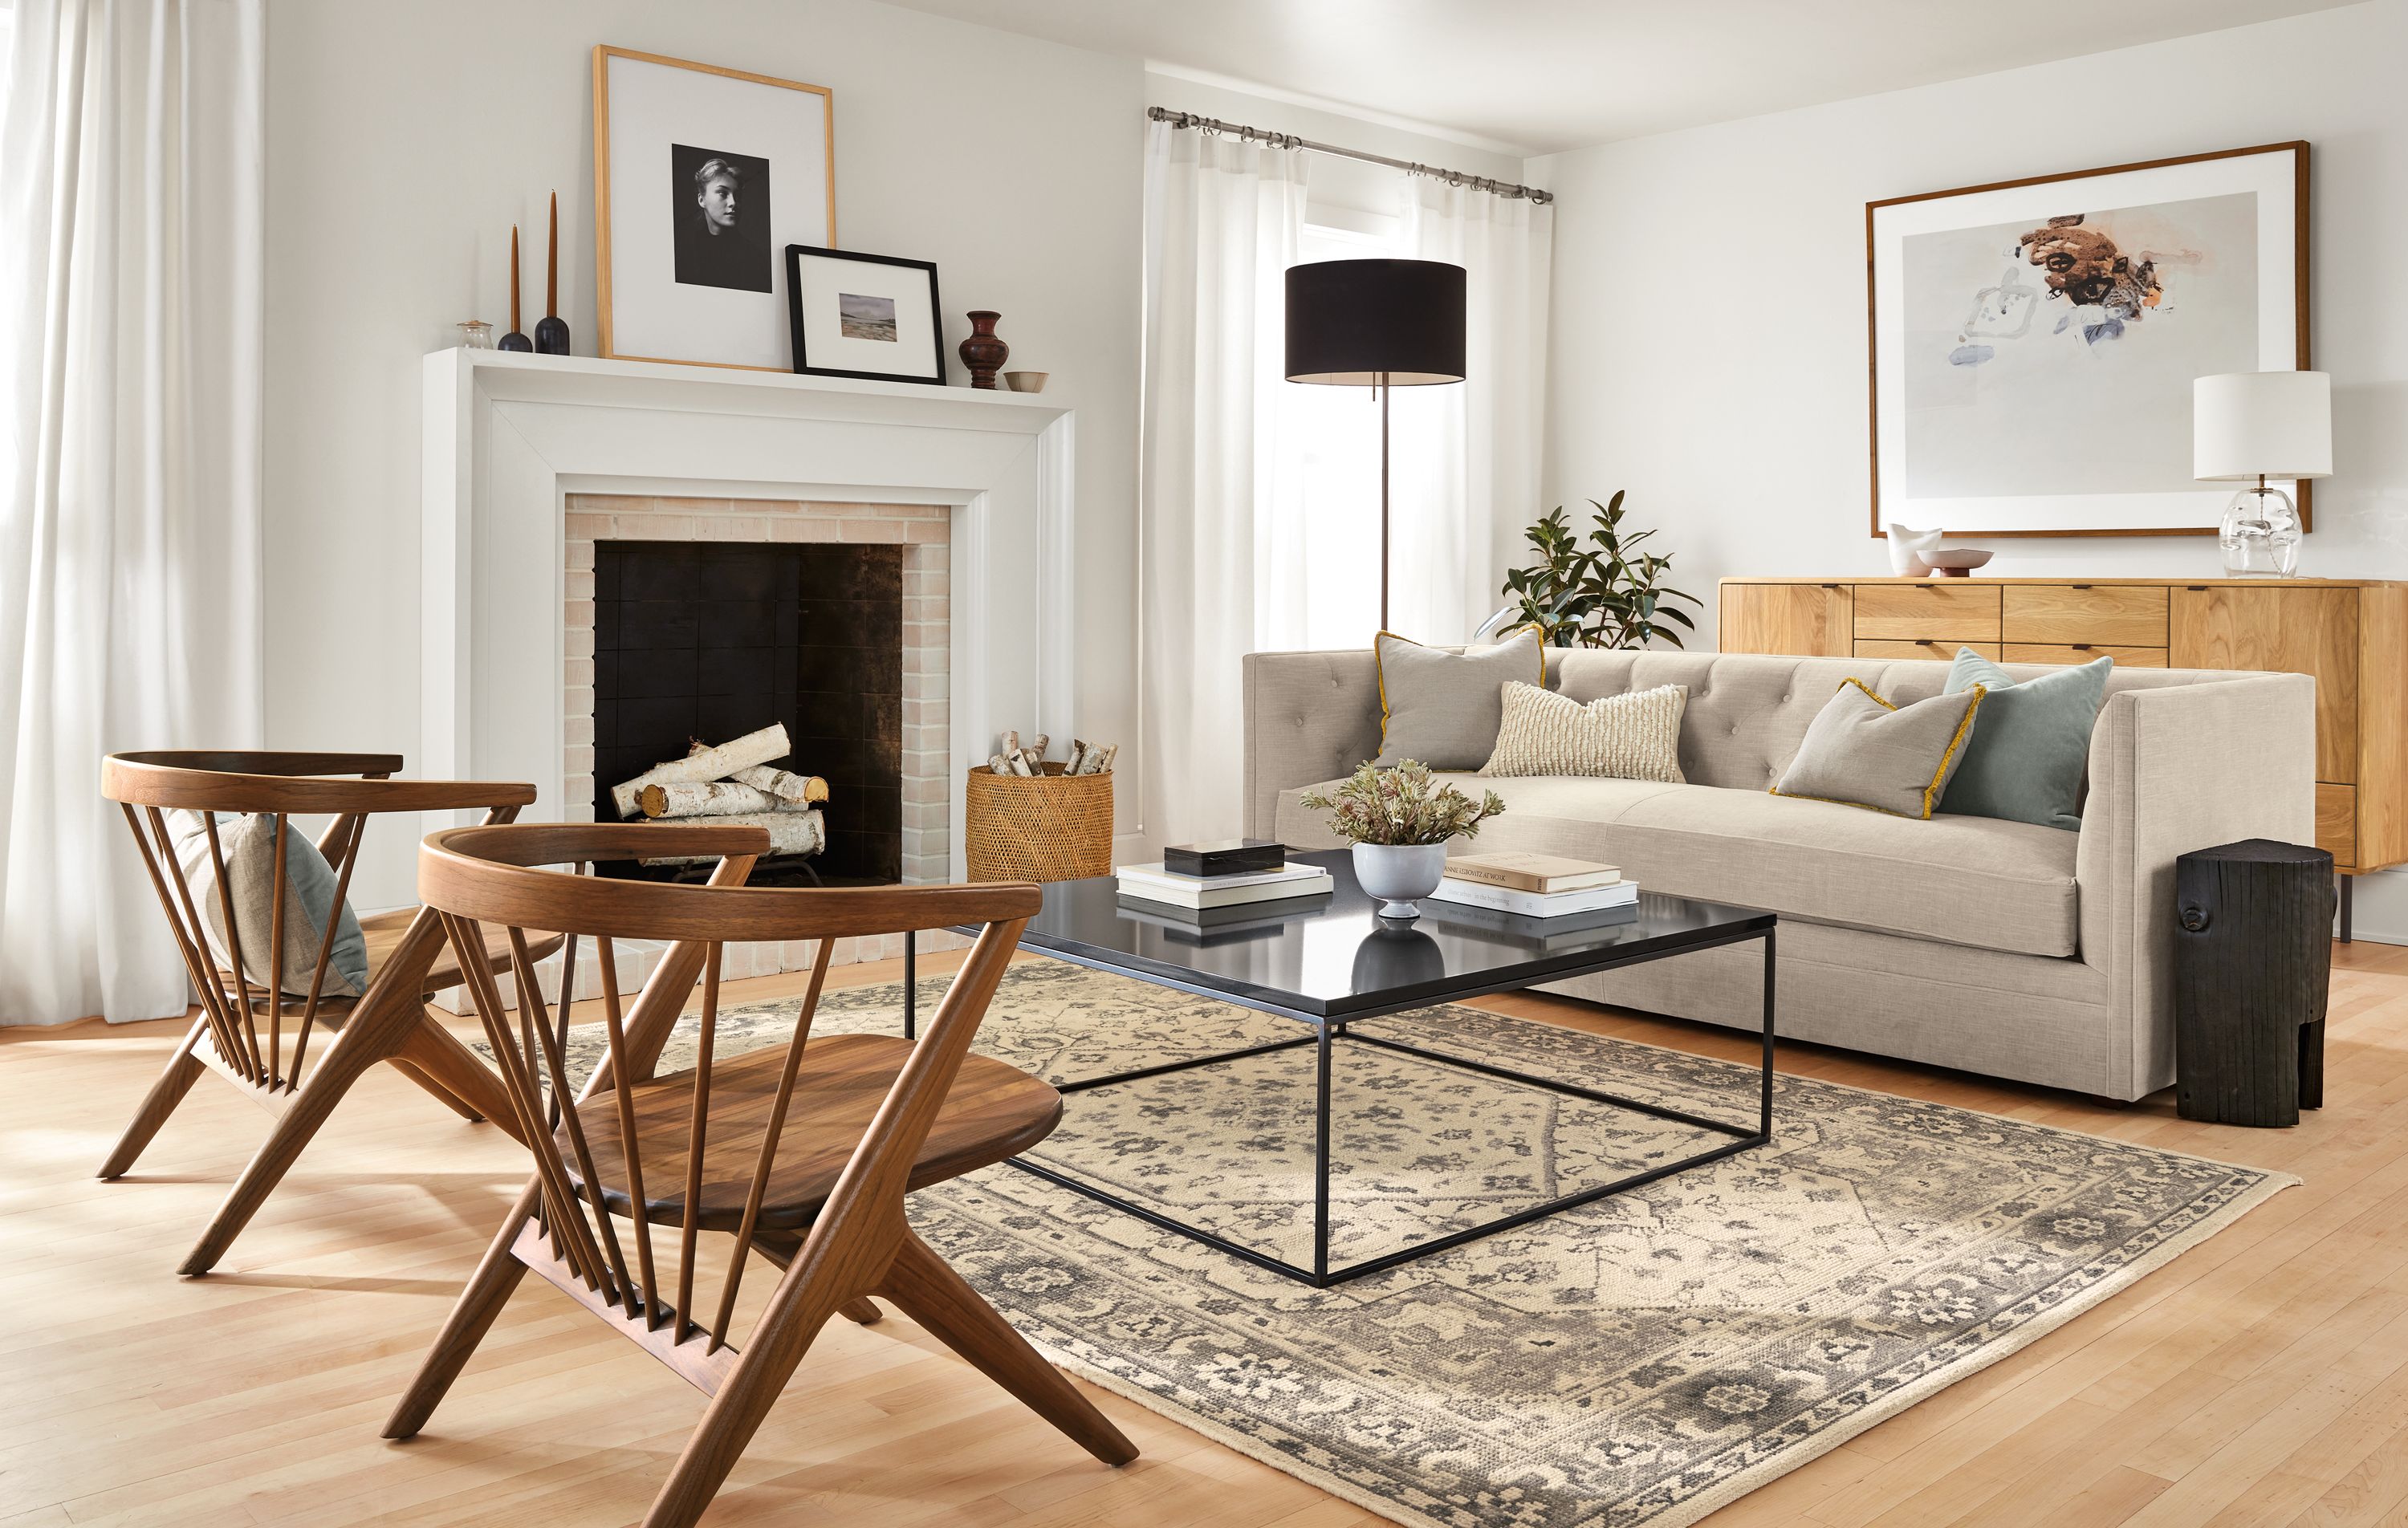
(1398, 875)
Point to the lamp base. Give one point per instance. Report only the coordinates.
(2261, 535)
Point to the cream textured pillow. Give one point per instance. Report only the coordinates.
(1635, 736)
(1862, 750)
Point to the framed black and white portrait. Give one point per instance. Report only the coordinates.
(701, 175)
(864, 315)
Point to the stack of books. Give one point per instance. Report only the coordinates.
(1219, 882)
(1535, 885)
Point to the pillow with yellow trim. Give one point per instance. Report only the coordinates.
(1861, 751)
(1444, 707)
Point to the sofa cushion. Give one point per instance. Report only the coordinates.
(1628, 738)
(2025, 760)
(1443, 707)
(1965, 880)
(1864, 750)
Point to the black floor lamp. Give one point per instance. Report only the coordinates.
(1376, 323)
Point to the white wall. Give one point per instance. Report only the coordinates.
(405, 139)
(1709, 346)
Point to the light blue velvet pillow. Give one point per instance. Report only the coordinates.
(2024, 763)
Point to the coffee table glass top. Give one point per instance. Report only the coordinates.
(1331, 957)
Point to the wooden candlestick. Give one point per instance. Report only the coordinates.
(514, 340)
(550, 335)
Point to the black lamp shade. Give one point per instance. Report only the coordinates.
(1361, 323)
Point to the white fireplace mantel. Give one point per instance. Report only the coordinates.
(509, 435)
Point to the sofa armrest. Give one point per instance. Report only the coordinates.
(2173, 769)
(1309, 717)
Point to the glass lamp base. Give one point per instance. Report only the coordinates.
(2261, 535)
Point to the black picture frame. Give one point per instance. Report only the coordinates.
(794, 254)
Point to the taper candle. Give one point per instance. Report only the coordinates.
(515, 341)
(551, 333)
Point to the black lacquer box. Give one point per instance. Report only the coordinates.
(1225, 857)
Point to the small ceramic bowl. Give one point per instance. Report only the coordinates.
(1955, 561)
(1026, 381)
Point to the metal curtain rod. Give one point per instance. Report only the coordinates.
(1289, 140)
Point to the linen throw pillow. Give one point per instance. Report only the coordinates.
(1635, 736)
(248, 844)
(1860, 751)
(2026, 762)
(1444, 707)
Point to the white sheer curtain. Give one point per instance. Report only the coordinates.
(1466, 471)
(132, 161)
(1218, 576)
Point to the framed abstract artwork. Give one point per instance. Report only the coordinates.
(868, 316)
(702, 177)
(2033, 342)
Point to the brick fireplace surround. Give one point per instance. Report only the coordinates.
(923, 531)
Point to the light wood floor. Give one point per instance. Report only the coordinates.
(2261, 1380)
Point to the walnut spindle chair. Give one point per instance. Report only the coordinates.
(241, 1032)
(801, 1153)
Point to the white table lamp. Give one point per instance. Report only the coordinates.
(2253, 425)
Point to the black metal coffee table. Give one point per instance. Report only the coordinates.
(1328, 963)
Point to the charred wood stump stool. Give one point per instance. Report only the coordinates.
(2253, 957)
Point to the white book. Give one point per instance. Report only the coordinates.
(1214, 894)
(1535, 904)
(1154, 874)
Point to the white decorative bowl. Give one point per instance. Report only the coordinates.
(1955, 561)
(1397, 875)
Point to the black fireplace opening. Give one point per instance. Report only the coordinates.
(711, 640)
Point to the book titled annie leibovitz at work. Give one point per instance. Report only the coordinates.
(1541, 873)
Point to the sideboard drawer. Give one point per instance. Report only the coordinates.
(1930, 648)
(2102, 615)
(1946, 612)
(2337, 822)
(2082, 652)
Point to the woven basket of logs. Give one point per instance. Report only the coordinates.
(1038, 827)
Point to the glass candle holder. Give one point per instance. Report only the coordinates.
(477, 335)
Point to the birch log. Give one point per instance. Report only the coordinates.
(705, 765)
(719, 798)
(790, 832)
(805, 790)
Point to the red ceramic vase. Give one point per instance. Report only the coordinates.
(982, 352)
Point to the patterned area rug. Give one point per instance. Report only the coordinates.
(1642, 1360)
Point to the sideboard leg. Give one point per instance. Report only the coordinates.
(2348, 883)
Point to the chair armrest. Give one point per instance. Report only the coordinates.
(1309, 716)
(2173, 769)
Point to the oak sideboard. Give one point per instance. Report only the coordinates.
(2351, 635)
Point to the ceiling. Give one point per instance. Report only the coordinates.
(1539, 76)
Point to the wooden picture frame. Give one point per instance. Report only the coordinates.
(2249, 295)
(911, 313)
(666, 287)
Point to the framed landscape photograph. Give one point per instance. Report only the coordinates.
(864, 315)
(2033, 342)
(701, 175)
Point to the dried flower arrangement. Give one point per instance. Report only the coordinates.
(1402, 806)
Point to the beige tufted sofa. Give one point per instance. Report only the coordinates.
(1999, 947)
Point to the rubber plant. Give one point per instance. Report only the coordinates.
(1605, 594)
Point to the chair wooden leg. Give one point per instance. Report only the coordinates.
(159, 1103)
(367, 1040)
(489, 1290)
(437, 1091)
(435, 1057)
(930, 1293)
(797, 1312)
(863, 1310)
